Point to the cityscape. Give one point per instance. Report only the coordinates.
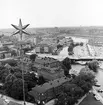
(51, 52)
(60, 67)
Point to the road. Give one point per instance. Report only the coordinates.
(90, 100)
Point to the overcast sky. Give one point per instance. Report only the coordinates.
(51, 13)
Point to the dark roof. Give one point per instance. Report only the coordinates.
(45, 60)
(42, 88)
(46, 86)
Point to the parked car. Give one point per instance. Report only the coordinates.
(96, 97)
(97, 85)
(100, 90)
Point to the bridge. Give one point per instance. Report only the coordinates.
(89, 58)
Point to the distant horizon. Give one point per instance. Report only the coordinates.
(58, 27)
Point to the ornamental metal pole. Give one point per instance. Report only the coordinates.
(23, 76)
(23, 83)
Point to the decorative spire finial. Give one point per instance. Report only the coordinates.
(20, 29)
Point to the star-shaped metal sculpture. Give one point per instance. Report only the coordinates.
(20, 29)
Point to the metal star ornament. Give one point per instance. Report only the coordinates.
(20, 29)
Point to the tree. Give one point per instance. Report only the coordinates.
(18, 74)
(13, 53)
(65, 99)
(87, 75)
(10, 77)
(86, 87)
(73, 90)
(78, 92)
(66, 65)
(3, 73)
(59, 46)
(17, 69)
(33, 57)
(81, 44)
(17, 89)
(70, 49)
(93, 65)
(85, 79)
(71, 100)
(30, 79)
(62, 99)
(41, 80)
(8, 83)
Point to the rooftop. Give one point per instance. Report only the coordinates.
(45, 60)
(49, 85)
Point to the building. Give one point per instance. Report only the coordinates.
(4, 52)
(96, 41)
(8, 44)
(48, 90)
(43, 48)
(49, 68)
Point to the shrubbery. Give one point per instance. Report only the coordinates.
(93, 65)
(66, 65)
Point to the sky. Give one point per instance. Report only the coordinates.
(51, 13)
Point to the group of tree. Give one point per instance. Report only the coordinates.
(12, 80)
(71, 46)
(66, 65)
(77, 87)
(11, 76)
(93, 65)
